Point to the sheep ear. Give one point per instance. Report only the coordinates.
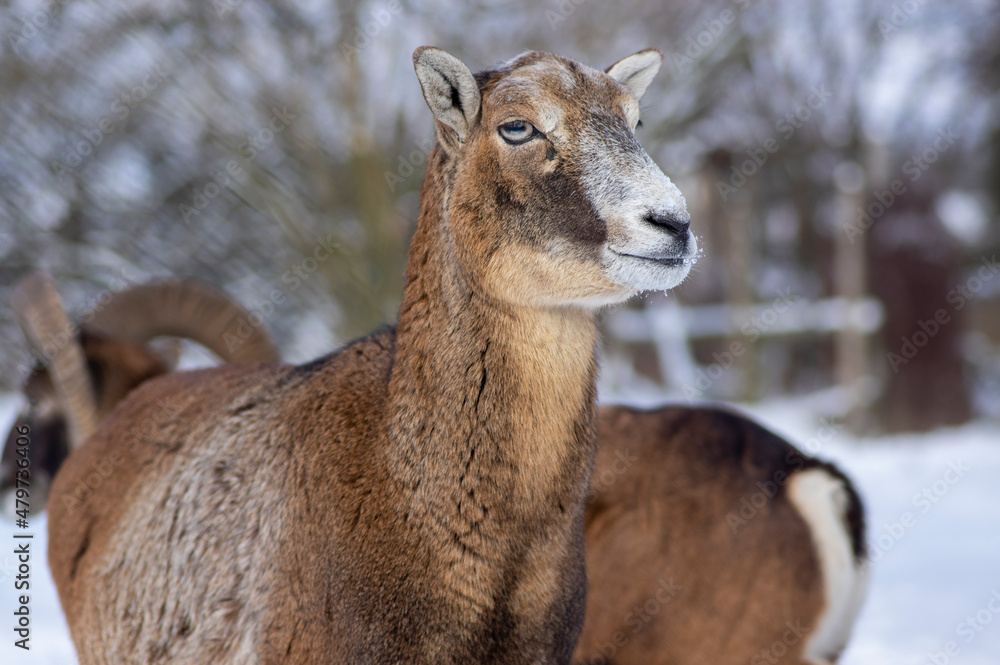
(637, 71)
(449, 88)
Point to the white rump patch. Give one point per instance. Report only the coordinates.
(822, 501)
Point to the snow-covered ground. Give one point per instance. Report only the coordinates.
(934, 513)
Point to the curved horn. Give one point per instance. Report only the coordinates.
(40, 313)
(188, 310)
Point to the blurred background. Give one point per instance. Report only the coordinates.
(841, 162)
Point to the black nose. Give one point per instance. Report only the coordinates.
(673, 223)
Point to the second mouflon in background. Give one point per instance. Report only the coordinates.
(417, 496)
(673, 557)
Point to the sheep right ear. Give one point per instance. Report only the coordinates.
(449, 88)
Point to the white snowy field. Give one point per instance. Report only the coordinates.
(933, 504)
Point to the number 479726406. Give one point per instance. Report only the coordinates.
(22, 477)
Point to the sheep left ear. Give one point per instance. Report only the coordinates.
(636, 72)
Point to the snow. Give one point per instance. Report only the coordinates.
(934, 529)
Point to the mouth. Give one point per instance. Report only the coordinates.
(642, 272)
(665, 261)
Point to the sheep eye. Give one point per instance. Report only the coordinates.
(516, 132)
